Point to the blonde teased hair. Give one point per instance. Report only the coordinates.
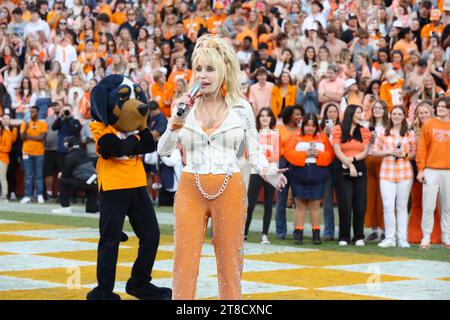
(222, 55)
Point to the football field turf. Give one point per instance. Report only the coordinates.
(54, 257)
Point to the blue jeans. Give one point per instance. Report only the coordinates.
(280, 210)
(328, 207)
(34, 167)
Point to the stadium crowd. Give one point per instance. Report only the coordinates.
(352, 96)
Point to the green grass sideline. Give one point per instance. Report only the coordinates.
(436, 253)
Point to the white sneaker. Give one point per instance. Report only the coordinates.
(425, 243)
(62, 210)
(403, 244)
(264, 239)
(342, 243)
(40, 198)
(386, 243)
(25, 200)
(360, 243)
(12, 196)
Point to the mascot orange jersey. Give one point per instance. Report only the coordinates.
(114, 173)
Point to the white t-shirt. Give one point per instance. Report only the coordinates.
(33, 27)
(65, 55)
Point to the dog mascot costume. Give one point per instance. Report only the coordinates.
(120, 131)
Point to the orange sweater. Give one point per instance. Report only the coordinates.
(391, 93)
(114, 174)
(298, 158)
(5, 146)
(434, 143)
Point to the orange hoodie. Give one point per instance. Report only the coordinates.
(5, 146)
(434, 143)
(298, 158)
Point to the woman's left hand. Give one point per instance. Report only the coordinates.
(277, 179)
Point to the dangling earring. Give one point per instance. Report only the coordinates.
(223, 90)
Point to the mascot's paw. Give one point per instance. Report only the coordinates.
(123, 237)
(147, 291)
(102, 295)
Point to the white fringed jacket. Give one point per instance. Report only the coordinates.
(218, 153)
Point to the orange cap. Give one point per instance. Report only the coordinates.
(219, 5)
(435, 15)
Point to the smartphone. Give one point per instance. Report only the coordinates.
(329, 123)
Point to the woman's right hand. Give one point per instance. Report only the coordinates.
(189, 102)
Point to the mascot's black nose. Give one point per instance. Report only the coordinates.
(143, 110)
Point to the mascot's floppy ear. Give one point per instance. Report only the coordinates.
(102, 103)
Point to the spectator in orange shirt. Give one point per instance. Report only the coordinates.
(33, 135)
(119, 15)
(103, 7)
(5, 148)
(243, 31)
(215, 21)
(180, 71)
(433, 166)
(56, 14)
(434, 27)
(391, 89)
(406, 43)
(162, 93)
(88, 56)
(310, 153)
(193, 23)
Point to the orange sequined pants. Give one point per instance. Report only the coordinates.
(228, 213)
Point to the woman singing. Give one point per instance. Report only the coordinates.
(211, 184)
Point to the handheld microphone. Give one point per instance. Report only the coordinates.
(194, 90)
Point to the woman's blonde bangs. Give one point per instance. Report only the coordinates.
(223, 57)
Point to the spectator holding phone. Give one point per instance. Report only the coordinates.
(397, 146)
(351, 145)
(310, 153)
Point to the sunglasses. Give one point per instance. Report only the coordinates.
(62, 22)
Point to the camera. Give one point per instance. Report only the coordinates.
(66, 113)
